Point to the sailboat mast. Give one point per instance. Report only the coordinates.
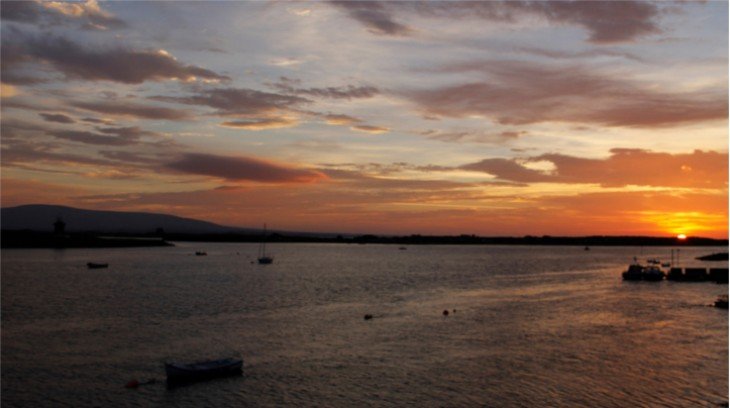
(263, 244)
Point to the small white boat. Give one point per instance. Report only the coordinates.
(637, 271)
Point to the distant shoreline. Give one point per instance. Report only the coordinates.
(34, 239)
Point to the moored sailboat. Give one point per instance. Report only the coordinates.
(263, 258)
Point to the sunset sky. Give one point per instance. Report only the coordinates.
(488, 118)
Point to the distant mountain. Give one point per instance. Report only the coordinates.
(40, 217)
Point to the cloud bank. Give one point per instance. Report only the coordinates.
(699, 169)
(96, 63)
(519, 93)
(606, 21)
(241, 168)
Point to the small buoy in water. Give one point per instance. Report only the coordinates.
(446, 312)
(132, 384)
(368, 316)
(454, 311)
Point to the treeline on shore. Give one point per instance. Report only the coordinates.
(33, 239)
(456, 240)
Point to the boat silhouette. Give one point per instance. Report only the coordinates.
(264, 259)
(181, 373)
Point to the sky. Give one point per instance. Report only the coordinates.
(490, 118)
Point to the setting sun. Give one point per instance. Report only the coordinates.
(681, 236)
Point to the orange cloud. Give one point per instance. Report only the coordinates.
(261, 124)
(698, 169)
(374, 199)
(354, 202)
(8, 91)
(376, 130)
(20, 192)
(340, 120)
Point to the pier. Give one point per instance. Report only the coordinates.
(718, 275)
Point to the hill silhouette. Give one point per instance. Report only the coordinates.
(40, 217)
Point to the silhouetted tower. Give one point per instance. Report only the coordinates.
(59, 227)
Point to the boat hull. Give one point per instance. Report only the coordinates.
(647, 273)
(179, 373)
(92, 265)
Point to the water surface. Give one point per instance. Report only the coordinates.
(527, 326)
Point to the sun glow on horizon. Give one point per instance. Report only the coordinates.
(681, 237)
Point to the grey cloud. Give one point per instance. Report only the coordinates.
(88, 14)
(109, 136)
(289, 86)
(134, 110)
(239, 101)
(24, 153)
(96, 63)
(57, 117)
(130, 132)
(13, 77)
(591, 53)
(373, 15)
(129, 157)
(606, 21)
(514, 92)
(93, 138)
(237, 168)
(507, 169)
(21, 11)
(472, 135)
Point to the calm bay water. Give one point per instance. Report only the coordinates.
(533, 326)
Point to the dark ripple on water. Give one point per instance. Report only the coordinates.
(528, 327)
